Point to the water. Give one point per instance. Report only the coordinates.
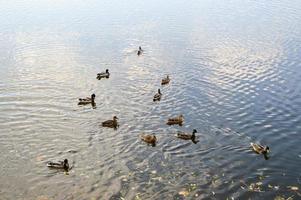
(235, 76)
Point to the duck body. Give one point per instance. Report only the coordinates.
(59, 165)
(157, 96)
(105, 74)
(87, 100)
(139, 51)
(176, 120)
(187, 136)
(259, 148)
(165, 81)
(150, 139)
(111, 123)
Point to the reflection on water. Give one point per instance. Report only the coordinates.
(234, 69)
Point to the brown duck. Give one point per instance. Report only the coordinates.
(111, 123)
(176, 120)
(150, 139)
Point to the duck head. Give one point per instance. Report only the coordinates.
(155, 137)
(159, 91)
(140, 49)
(266, 150)
(107, 71)
(93, 96)
(193, 134)
(66, 164)
(115, 118)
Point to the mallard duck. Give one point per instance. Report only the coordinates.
(87, 100)
(105, 74)
(139, 51)
(157, 96)
(187, 136)
(259, 148)
(59, 165)
(165, 80)
(150, 139)
(111, 123)
(176, 120)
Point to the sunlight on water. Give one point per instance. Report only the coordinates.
(235, 76)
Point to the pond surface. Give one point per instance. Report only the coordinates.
(235, 76)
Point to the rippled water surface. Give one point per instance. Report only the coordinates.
(235, 69)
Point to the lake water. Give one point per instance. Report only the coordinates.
(235, 76)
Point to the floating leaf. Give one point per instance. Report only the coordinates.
(255, 187)
(294, 188)
(192, 187)
(42, 197)
(137, 196)
(259, 183)
(184, 193)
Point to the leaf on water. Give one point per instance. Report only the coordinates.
(184, 193)
(259, 183)
(192, 187)
(137, 196)
(255, 187)
(159, 178)
(294, 188)
(42, 197)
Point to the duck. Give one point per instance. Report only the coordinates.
(260, 149)
(87, 100)
(111, 123)
(139, 51)
(105, 74)
(176, 120)
(150, 139)
(165, 81)
(157, 96)
(59, 165)
(187, 136)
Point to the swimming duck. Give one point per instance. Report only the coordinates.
(157, 96)
(87, 100)
(187, 136)
(111, 123)
(150, 139)
(260, 149)
(176, 120)
(139, 51)
(165, 80)
(59, 165)
(105, 74)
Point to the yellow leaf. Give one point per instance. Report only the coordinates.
(184, 193)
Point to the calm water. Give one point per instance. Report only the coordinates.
(236, 78)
